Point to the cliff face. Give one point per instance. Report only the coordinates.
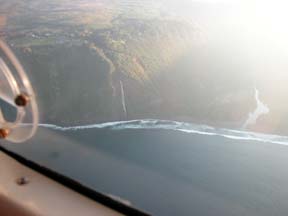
(153, 70)
(120, 64)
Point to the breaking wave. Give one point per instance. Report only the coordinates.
(178, 126)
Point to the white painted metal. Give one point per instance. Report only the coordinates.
(41, 195)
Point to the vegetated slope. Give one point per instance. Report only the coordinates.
(78, 61)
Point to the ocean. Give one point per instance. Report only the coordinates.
(168, 167)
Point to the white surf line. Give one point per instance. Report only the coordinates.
(178, 126)
(261, 109)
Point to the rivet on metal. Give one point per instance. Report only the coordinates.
(22, 181)
(4, 132)
(22, 100)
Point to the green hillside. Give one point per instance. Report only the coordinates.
(78, 55)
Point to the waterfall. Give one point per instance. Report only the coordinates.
(123, 99)
(261, 109)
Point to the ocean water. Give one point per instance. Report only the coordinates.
(168, 167)
(177, 126)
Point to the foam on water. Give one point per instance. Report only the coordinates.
(177, 126)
